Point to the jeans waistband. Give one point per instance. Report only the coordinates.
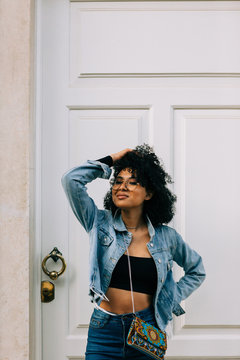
(103, 310)
(149, 310)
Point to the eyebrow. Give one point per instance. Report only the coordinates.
(131, 177)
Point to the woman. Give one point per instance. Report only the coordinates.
(136, 207)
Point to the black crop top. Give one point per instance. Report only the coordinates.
(144, 275)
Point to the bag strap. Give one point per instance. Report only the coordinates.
(130, 278)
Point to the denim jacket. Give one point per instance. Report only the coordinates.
(109, 239)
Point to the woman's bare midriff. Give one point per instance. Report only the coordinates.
(120, 301)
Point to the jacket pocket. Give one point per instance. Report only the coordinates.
(104, 237)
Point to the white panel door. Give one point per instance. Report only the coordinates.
(117, 74)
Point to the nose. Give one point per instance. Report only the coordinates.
(123, 186)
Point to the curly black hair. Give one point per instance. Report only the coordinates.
(151, 175)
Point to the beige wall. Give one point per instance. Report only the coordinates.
(16, 139)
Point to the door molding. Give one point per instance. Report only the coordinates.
(155, 75)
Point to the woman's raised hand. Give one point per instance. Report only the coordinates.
(120, 154)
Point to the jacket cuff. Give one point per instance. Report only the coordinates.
(177, 309)
(106, 169)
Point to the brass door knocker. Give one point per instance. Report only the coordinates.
(47, 287)
(55, 254)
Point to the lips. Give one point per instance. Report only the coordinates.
(122, 196)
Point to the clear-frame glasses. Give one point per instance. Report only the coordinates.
(130, 183)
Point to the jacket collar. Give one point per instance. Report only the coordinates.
(119, 225)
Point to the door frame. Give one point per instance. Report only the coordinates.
(35, 312)
(35, 321)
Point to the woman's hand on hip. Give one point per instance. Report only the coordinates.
(120, 154)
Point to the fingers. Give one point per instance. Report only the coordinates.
(120, 154)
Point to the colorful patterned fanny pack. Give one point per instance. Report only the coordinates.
(147, 338)
(143, 336)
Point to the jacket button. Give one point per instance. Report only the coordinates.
(162, 279)
(159, 260)
(151, 244)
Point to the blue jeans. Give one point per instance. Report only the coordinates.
(107, 335)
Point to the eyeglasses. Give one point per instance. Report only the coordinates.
(130, 184)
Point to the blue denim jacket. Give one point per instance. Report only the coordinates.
(109, 239)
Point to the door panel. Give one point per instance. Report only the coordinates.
(144, 81)
(207, 175)
(115, 39)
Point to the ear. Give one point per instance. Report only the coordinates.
(149, 195)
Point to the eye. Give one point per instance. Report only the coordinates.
(118, 182)
(133, 182)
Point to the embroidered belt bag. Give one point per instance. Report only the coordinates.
(144, 336)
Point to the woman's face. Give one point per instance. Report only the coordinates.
(124, 197)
